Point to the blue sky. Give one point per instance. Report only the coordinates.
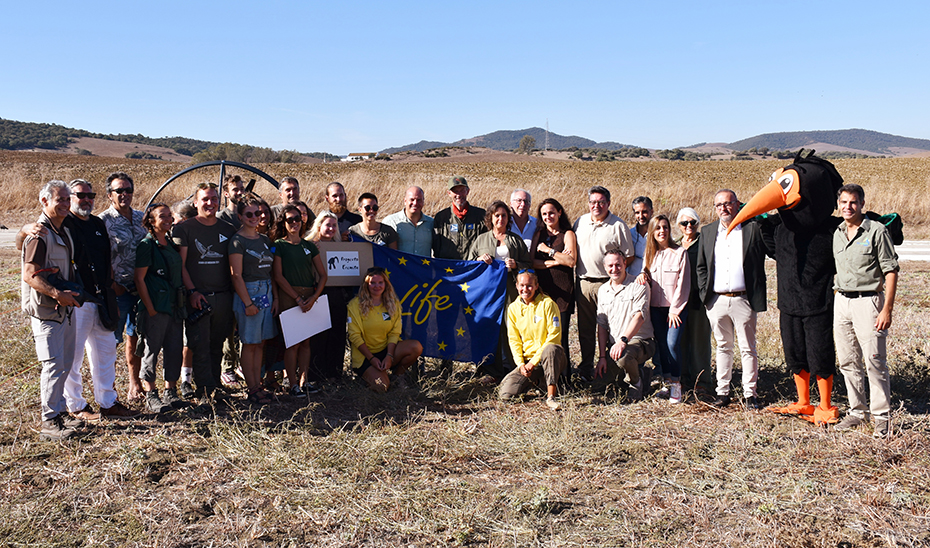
(363, 76)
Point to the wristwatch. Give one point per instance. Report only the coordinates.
(624, 340)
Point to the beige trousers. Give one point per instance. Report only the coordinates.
(551, 364)
(732, 319)
(861, 351)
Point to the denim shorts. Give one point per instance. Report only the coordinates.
(127, 303)
(260, 327)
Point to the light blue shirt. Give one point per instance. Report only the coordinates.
(527, 233)
(413, 238)
(639, 252)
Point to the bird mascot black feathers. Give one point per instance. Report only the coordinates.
(804, 193)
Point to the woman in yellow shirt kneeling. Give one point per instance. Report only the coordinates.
(374, 324)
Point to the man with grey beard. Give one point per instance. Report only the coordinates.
(96, 319)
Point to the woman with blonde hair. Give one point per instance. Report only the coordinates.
(666, 269)
(328, 348)
(374, 326)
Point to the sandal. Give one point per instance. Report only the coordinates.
(259, 397)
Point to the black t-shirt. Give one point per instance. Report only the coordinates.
(91, 252)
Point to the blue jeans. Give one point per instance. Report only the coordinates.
(668, 348)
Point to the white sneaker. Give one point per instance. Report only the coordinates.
(552, 404)
(674, 393)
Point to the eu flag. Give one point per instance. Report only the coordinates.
(454, 308)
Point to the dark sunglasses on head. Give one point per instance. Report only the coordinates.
(124, 190)
(526, 271)
(85, 195)
(292, 220)
(372, 208)
(686, 223)
(203, 186)
(250, 214)
(375, 270)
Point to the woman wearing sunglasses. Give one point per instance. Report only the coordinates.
(374, 326)
(255, 298)
(370, 229)
(298, 270)
(695, 338)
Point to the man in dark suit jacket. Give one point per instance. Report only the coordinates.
(731, 279)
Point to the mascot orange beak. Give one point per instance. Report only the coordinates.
(782, 192)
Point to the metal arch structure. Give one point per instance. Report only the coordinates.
(222, 164)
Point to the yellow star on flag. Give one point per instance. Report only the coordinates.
(464, 287)
(402, 261)
(442, 346)
(469, 310)
(449, 270)
(426, 262)
(460, 331)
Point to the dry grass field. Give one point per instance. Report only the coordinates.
(446, 464)
(898, 185)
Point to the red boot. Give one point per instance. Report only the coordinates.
(825, 412)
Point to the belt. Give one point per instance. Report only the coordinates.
(595, 280)
(733, 294)
(212, 293)
(857, 294)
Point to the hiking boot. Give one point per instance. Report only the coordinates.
(882, 427)
(55, 430)
(297, 392)
(674, 393)
(118, 411)
(187, 390)
(552, 404)
(635, 393)
(153, 403)
(721, 401)
(84, 415)
(849, 422)
(753, 403)
(312, 388)
(70, 421)
(170, 398)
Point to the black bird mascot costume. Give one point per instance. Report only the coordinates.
(804, 193)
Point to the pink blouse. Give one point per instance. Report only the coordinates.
(671, 279)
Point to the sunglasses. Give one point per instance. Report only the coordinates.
(85, 195)
(526, 271)
(124, 190)
(375, 270)
(601, 203)
(203, 186)
(250, 214)
(688, 223)
(372, 208)
(292, 220)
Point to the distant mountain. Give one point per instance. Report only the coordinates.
(510, 140)
(857, 139)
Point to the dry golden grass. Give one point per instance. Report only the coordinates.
(891, 184)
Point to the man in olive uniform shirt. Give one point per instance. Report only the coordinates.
(456, 227)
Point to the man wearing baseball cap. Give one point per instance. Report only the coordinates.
(456, 227)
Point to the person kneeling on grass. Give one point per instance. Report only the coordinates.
(161, 292)
(535, 336)
(374, 333)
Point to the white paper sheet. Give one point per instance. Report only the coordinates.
(299, 326)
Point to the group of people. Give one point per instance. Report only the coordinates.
(193, 282)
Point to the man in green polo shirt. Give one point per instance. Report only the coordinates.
(866, 278)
